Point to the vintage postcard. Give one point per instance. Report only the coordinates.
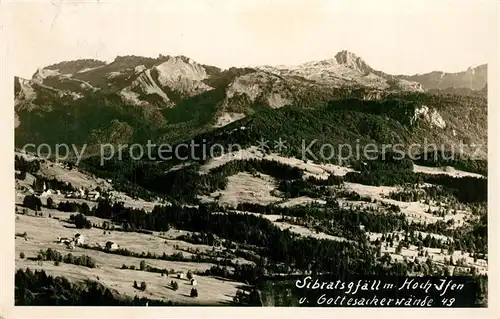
(249, 158)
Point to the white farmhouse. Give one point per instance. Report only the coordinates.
(111, 245)
(93, 195)
(79, 239)
(80, 193)
(46, 193)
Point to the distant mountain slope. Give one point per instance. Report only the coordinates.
(473, 78)
(448, 122)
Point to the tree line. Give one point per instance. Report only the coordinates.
(53, 255)
(27, 166)
(36, 288)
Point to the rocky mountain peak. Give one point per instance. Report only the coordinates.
(352, 61)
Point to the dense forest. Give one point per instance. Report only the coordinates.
(184, 184)
(27, 166)
(281, 246)
(279, 250)
(57, 257)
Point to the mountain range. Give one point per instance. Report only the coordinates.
(172, 98)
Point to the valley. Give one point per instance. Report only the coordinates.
(290, 189)
(420, 232)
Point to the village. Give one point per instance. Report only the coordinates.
(49, 228)
(114, 269)
(79, 240)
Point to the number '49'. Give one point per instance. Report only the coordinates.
(448, 302)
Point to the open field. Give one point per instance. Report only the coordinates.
(43, 232)
(302, 200)
(447, 170)
(297, 229)
(415, 211)
(245, 188)
(310, 168)
(211, 291)
(72, 176)
(242, 187)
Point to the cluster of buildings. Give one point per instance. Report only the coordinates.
(79, 193)
(49, 192)
(70, 243)
(79, 239)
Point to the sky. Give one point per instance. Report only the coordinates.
(397, 37)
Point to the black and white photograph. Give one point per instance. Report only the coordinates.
(229, 154)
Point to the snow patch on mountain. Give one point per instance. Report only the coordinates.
(113, 74)
(85, 85)
(84, 70)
